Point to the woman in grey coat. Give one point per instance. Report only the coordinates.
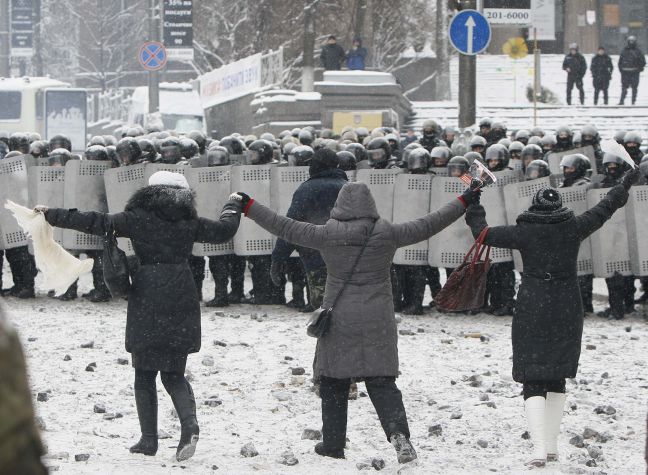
(361, 342)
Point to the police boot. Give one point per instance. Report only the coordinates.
(220, 299)
(100, 296)
(147, 409)
(70, 293)
(25, 293)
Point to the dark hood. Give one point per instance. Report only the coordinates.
(331, 173)
(355, 202)
(170, 203)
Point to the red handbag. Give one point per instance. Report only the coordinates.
(466, 287)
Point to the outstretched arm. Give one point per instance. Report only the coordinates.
(506, 237)
(424, 228)
(91, 222)
(593, 219)
(296, 232)
(222, 230)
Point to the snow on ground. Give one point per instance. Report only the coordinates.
(264, 404)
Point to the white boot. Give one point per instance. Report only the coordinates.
(553, 415)
(534, 407)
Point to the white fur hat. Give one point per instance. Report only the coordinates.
(169, 179)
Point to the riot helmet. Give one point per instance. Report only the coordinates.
(34, 136)
(96, 152)
(529, 154)
(379, 152)
(564, 137)
(537, 132)
(301, 156)
(472, 156)
(497, 158)
(189, 148)
(260, 152)
(149, 154)
(589, 136)
(440, 156)
(419, 161)
(19, 142)
(232, 144)
(111, 151)
(574, 166)
(619, 135)
(200, 138)
(613, 166)
(548, 143)
(347, 161)
(60, 141)
(430, 128)
(128, 151)
(535, 140)
(38, 149)
(305, 137)
(97, 140)
(485, 126)
(478, 144)
(576, 140)
(59, 157)
(522, 136)
(458, 166)
(218, 157)
(498, 131)
(536, 169)
(358, 151)
(515, 150)
(170, 151)
(362, 133)
(632, 143)
(506, 142)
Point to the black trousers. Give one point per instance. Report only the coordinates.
(601, 85)
(621, 291)
(411, 280)
(541, 388)
(197, 265)
(385, 396)
(297, 277)
(585, 284)
(578, 82)
(433, 278)
(22, 265)
(97, 272)
(500, 285)
(629, 80)
(263, 290)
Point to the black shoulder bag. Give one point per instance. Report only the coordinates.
(115, 265)
(320, 320)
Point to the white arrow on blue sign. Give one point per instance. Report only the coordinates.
(469, 32)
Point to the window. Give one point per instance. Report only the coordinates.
(10, 105)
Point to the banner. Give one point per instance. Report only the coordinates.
(66, 114)
(22, 28)
(177, 22)
(230, 81)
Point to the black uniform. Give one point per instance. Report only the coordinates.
(576, 67)
(601, 68)
(631, 63)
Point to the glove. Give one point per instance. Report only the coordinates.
(471, 197)
(277, 273)
(242, 197)
(41, 209)
(476, 183)
(630, 178)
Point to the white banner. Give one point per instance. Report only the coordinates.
(544, 19)
(230, 81)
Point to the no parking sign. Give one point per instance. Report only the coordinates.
(152, 56)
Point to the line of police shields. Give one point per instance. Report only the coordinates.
(400, 197)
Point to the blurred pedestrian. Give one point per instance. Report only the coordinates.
(576, 67)
(631, 64)
(357, 55)
(332, 55)
(601, 68)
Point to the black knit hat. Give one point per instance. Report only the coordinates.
(547, 200)
(324, 159)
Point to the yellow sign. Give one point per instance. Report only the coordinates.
(515, 48)
(355, 119)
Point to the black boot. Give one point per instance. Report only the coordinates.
(321, 450)
(70, 293)
(185, 405)
(146, 402)
(218, 302)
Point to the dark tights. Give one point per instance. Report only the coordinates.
(541, 388)
(175, 384)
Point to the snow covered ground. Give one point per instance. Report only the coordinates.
(462, 384)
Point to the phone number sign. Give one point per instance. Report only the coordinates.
(508, 12)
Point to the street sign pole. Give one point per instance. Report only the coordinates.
(467, 90)
(5, 48)
(154, 75)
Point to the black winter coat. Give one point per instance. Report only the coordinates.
(332, 57)
(632, 60)
(312, 203)
(576, 64)
(548, 320)
(163, 319)
(601, 68)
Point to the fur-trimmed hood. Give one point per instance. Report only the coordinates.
(170, 203)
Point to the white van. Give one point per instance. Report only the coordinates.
(44, 105)
(180, 107)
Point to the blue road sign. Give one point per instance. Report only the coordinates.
(469, 32)
(152, 56)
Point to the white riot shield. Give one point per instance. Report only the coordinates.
(42, 162)
(84, 190)
(13, 186)
(449, 247)
(198, 162)
(284, 181)
(412, 201)
(121, 183)
(492, 200)
(506, 177)
(251, 239)
(30, 161)
(439, 171)
(237, 159)
(554, 159)
(381, 184)
(151, 168)
(575, 199)
(212, 188)
(610, 250)
(46, 187)
(518, 197)
(637, 218)
(516, 164)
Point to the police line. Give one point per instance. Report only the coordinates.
(94, 186)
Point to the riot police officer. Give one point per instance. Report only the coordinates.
(500, 282)
(458, 166)
(529, 154)
(201, 140)
(38, 149)
(347, 161)
(60, 141)
(19, 142)
(536, 169)
(632, 143)
(564, 139)
(148, 152)
(430, 138)
(548, 143)
(170, 151)
(439, 157)
(590, 137)
(379, 153)
(523, 136)
(189, 148)
(478, 144)
(485, 127)
(497, 133)
(621, 289)
(515, 150)
(128, 151)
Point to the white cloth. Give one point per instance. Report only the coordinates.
(164, 177)
(59, 268)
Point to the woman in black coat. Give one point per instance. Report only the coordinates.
(163, 318)
(548, 319)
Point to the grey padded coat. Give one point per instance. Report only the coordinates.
(362, 340)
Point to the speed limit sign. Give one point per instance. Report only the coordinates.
(508, 12)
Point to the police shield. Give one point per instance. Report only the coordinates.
(211, 186)
(251, 239)
(237, 159)
(516, 164)
(121, 183)
(439, 171)
(84, 190)
(554, 159)
(151, 168)
(412, 201)
(610, 251)
(381, 184)
(492, 200)
(575, 199)
(46, 187)
(636, 212)
(284, 181)
(518, 197)
(448, 247)
(506, 177)
(13, 186)
(198, 162)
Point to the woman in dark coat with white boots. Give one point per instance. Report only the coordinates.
(362, 340)
(548, 320)
(163, 318)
